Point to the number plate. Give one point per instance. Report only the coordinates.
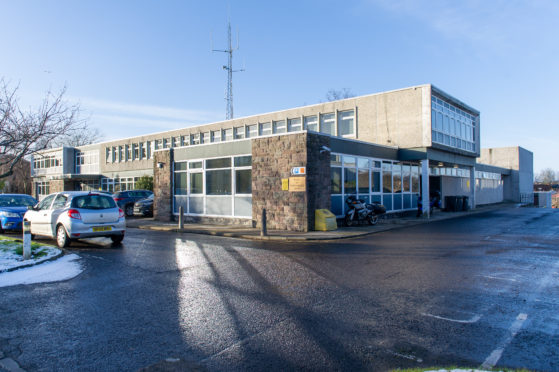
(101, 228)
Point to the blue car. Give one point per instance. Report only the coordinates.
(12, 209)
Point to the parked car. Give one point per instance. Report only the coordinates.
(12, 209)
(71, 215)
(144, 207)
(126, 199)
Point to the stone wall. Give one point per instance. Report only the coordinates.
(272, 160)
(318, 175)
(162, 183)
(60, 185)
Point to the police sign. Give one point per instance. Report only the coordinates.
(298, 171)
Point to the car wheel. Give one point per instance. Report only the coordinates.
(117, 239)
(129, 210)
(62, 239)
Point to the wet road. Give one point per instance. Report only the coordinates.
(480, 290)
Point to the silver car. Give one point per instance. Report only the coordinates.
(71, 215)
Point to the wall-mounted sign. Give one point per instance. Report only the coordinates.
(298, 171)
(297, 184)
(284, 184)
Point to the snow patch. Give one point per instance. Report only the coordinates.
(66, 267)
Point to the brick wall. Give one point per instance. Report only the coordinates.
(272, 160)
(60, 185)
(162, 201)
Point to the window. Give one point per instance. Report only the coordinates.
(243, 161)
(120, 153)
(218, 182)
(166, 143)
(205, 137)
(227, 134)
(46, 202)
(265, 128)
(196, 183)
(252, 131)
(216, 135)
(239, 132)
(158, 144)
(279, 126)
(175, 141)
(185, 140)
(243, 181)
(346, 123)
(148, 148)
(142, 150)
(327, 124)
(59, 202)
(195, 139)
(336, 180)
(294, 125)
(135, 151)
(386, 177)
(310, 123)
(218, 163)
(107, 154)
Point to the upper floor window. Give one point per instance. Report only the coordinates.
(346, 123)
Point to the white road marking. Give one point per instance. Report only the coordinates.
(473, 319)
(499, 278)
(405, 356)
(494, 357)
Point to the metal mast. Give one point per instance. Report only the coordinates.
(229, 69)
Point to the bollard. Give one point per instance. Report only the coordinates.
(181, 218)
(264, 229)
(26, 240)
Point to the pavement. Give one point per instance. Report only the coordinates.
(387, 222)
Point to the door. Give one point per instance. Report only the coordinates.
(40, 217)
(57, 208)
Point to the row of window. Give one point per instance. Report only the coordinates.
(448, 171)
(119, 184)
(134, 151)
(488, 175)
(340, 123)
(47, 161)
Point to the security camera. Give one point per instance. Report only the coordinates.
(325, 149)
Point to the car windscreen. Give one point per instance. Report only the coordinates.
(93, 201)
(16, 201)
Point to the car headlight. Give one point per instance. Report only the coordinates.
(9, 214)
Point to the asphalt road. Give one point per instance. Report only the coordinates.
(479, 290)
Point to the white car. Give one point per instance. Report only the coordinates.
(71, 215)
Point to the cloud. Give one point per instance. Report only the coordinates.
(495, 24)
(118, 119)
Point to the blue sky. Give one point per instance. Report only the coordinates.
(140, 67)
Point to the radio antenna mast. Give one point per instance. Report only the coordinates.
(229, 69)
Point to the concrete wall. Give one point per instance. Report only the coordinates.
(454, 186)
(520, 161)
(489, 191)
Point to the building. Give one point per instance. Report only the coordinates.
(391, 147)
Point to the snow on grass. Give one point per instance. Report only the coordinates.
(64, 268)
(11, 253)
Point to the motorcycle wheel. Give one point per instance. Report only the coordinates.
(348, 221)
(373, 219)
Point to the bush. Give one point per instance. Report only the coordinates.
(145, 183)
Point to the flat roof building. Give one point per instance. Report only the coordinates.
(391, 147)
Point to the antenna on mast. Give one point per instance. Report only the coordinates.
(229, 69)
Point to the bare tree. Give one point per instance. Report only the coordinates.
(75, 138)
(334, 95)
(546, 176)
(24, 132)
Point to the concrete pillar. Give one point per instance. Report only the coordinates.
(162, 185)
(473, 187)
(425, 186)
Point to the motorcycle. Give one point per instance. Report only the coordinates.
(360, 211)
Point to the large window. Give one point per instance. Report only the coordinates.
(452, 126)
(393, 184)
(87, 162)
(214, 187)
